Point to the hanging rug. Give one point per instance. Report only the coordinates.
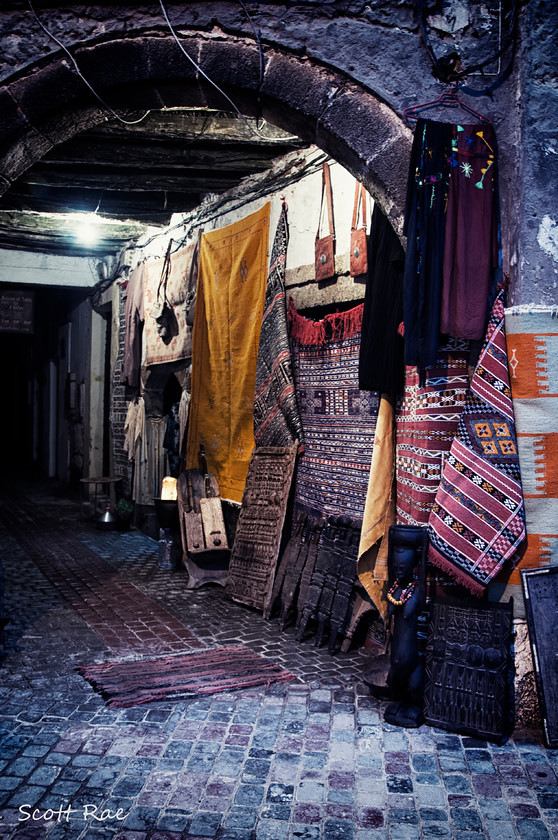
(338, 419)
(478, 519)
(125, 684)
(276, 416)
(426, 421)
(532, 344)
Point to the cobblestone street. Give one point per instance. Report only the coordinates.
(307, 759)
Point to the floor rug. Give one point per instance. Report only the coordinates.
(125, 684)
(339, 420)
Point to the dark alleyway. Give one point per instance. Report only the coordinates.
(306, 759)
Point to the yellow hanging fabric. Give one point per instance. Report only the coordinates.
(379, 511)
(229, 308)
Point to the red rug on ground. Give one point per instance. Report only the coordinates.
(125, 684)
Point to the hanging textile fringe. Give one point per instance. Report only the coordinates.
(335, 327)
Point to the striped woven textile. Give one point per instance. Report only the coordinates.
(532, 345)
(426, 422)
(125, 684)
(478, 520)
(338, 420)
(276, 416)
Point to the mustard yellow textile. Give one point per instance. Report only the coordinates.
(229, 307)
(379, 511)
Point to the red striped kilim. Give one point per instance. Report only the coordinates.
(125, 684)
(532, 345)
(426, 423)
(478, 519)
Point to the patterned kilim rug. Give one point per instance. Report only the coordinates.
(339, 420)
(426, 422)
(125, 684)
(478, 520)
(532, 345)
(276, 416)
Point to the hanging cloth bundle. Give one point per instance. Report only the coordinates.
(163, 312)
(324, 252)
(358, 254)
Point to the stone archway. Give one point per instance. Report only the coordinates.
(50, 103)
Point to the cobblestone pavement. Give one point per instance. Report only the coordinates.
(308, 759)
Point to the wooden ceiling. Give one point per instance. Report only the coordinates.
(133, 176)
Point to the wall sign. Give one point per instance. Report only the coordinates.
(16, 311)
(539, 589)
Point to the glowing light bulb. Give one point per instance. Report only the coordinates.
(86, 228)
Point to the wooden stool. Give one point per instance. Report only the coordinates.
(103, 482)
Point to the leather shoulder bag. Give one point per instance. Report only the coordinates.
(358, 255)
(324, 252)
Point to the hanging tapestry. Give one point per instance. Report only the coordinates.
(338, 420)
(379, 510)
(426, 422)
(467, 668)
(381, 365)
(276, 416)
(471, 234)
(177, 291)
(227, 322)
(451, 224)
(532, 345)
(478, 519)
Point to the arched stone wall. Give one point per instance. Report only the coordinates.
(49, 103)
(326, 63)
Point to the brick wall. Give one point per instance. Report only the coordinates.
(119, 407)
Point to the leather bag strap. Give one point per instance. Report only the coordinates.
(326, 188)
(360, 192)
(165, 273)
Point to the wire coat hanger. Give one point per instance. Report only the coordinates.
(447, 99)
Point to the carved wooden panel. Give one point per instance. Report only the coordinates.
(260, 523)
(468, 668)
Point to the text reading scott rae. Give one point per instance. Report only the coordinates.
(65, 813)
